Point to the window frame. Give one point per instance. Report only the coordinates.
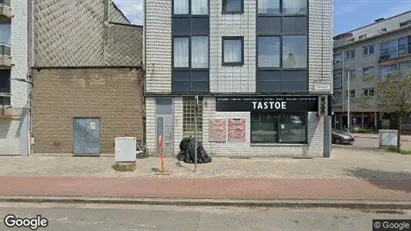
(241, 38)
(241, 11)
(368, 68)
(279, 55)
(277, 126)
(190, 15)
(352, 54)
(367, 48)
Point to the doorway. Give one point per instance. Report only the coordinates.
(165, 125)
(86, 136)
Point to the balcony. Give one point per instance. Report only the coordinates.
(5, 56)
(402, 51)
(5, 11)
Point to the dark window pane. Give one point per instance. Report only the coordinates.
(232, 5)
(233, 51)
(200, 26)
(268, 6)
(181, 55)
(263, 128)
(295, 75)
(181, 7)
(268, 52)
(164, 106)
(268, 86)
(181, 25)
(199, 76)
(295, 25)
(292, 128)
(181, 76)
(295, 6)
(295, 51)
(269, 76)
(294, 86)
(179, 86)
(199, 86)
(268, 25)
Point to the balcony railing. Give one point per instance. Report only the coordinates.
(394, 53)
(5, 2)
(5, 50)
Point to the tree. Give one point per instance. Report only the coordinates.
(391, 95)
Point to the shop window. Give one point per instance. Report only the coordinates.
(290, 128)
(189, 110)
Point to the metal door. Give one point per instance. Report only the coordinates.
(165, 129)
(86, 136)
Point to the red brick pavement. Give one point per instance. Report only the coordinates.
(221, 188)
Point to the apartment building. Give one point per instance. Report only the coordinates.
(371, 51)
(87, 73)
(255, 75)
(14, 87)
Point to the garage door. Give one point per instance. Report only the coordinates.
(9, 137)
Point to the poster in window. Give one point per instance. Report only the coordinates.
(218, 130)
(236, 130)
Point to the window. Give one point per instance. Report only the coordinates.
(389, 49)
(337, 99)
(368, 50)
(5, 86)
(362, 36)
(199, 52)
(386, 70)
(233, 50)
(337, 80)
(181, 53)
(269, 52)
(189, 110)
(350, 54)
(368, 71)
(382, 30)
(351, 74)
(268, 6)
(337, 61)
(199, 7)
(352, 93)
(295, 7)
(164, 106)
(181, 7)
(406, 23)
(368, 92)
(279, 128)
(233, 6)
(294, 51)
(5, 33)
(403, 46)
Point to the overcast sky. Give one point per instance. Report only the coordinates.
(348, 14)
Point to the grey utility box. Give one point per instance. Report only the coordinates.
(125, 149)
(388, 138)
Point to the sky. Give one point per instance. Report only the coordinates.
(348, 14)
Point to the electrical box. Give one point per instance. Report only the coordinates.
(388, 138)
(125, 149)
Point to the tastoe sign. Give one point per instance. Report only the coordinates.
(275, 104)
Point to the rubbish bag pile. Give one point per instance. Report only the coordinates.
(187, 152)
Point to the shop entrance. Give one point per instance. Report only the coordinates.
(165, 125)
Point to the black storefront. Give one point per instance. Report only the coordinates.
(274, 119)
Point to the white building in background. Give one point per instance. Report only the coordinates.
(14, 100)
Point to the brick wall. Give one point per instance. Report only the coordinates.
(112, 94)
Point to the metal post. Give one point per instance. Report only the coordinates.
(195, 134)
(349, 101)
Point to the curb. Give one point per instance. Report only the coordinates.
(342, 204)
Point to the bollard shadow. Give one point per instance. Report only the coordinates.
(398, 181)
(155, 170)
(178, 164)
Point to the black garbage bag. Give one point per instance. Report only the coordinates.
(187, 152)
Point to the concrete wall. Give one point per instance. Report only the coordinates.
(114, 95)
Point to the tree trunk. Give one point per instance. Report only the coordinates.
(399, 133)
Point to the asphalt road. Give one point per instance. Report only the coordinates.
(147, 218)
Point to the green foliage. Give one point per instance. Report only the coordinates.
(394, 149)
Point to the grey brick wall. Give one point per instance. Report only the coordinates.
(320, 42)
(158, 46)
(232, 79)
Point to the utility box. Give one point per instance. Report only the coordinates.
(125, 149)
(388, 138)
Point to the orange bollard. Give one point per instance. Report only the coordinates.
(163, 171)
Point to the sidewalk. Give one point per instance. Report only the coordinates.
(233, 189)
(404, 138)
